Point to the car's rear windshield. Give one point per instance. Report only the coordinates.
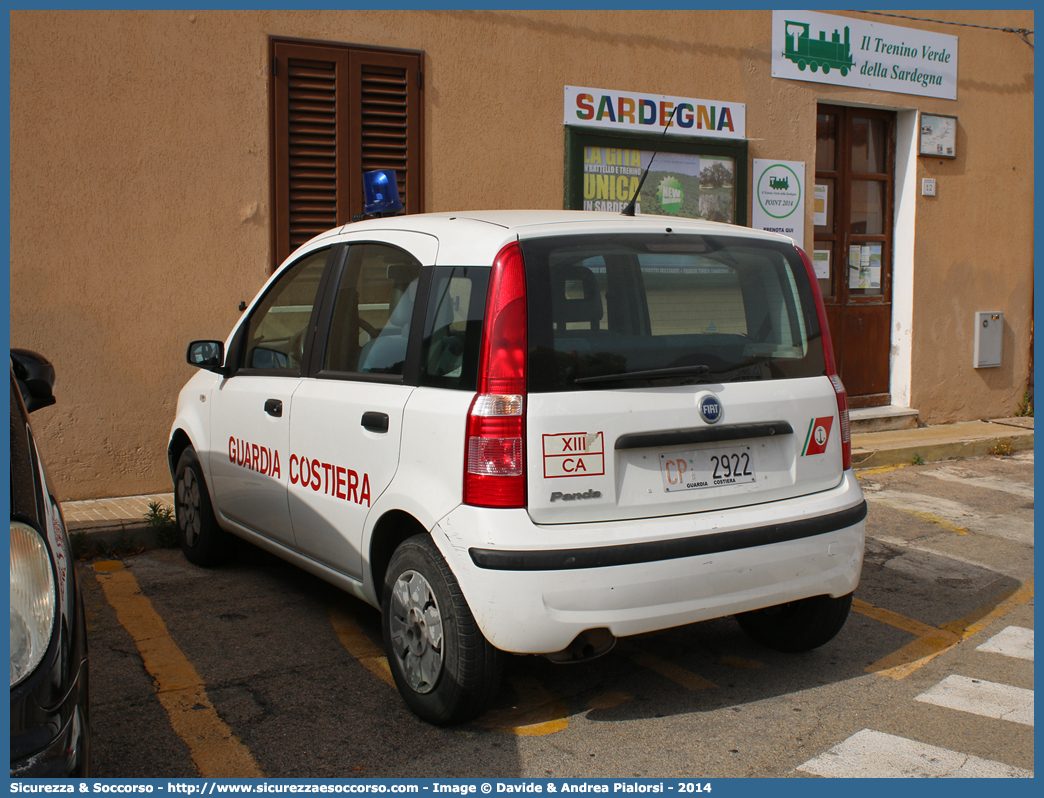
(632, 310)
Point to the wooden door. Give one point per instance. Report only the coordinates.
(855, 174)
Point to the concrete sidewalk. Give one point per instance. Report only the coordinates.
(121, 521)
(942, 442)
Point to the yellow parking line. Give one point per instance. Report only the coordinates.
(539, 713)
(893, 619)
(866, 472)
(215, 750)
(930, 643)
(934, 640)
(973, 622)
(932, 518)
(741, 662)
(914, 655)
(677, 674)
(360, 646)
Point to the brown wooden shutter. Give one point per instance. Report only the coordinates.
(339, 111)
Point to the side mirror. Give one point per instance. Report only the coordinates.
(35, 376)
(209, 355)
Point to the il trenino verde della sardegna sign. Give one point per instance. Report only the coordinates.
(823, 48)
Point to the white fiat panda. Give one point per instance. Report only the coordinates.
(532, 432)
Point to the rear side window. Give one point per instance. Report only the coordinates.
(453, 327)
(370, 326)
(634, 310)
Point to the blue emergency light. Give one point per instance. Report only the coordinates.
(382, 192)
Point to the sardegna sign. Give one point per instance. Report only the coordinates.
(650, 113)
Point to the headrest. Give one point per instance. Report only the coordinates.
(575, 295)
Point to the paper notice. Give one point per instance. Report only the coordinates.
(821, 263)
(819, 205)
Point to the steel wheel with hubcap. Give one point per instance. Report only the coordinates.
(446, 671)
(416, 631)
(202, 540)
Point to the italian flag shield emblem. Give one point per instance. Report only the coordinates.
(817, 436)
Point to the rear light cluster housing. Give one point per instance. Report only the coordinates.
(831, 369)
(495, 453)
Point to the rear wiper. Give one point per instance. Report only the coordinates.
(677, 371)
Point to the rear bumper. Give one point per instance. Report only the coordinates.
(534, 588)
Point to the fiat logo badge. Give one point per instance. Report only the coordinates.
(710, 409)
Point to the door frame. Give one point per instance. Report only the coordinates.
(845, 311)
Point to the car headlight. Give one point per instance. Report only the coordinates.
(33, 601)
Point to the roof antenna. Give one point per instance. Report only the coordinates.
(629, 210)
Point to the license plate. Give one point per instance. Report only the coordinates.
(707, 468)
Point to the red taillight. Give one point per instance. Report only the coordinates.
(831, 368)
(495, 450)
(842, 413)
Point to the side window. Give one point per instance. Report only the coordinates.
(277, 328)
(373, 310)
(453, 327)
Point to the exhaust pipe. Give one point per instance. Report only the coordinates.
(588, 645)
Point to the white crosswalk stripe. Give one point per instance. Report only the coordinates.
(1015, 641)
(980, 697)
(955, 474)
(873, 754)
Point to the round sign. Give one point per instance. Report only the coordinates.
(779, 191)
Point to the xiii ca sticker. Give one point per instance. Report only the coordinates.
(573, 454)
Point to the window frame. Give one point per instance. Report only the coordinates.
(797, 305)
(353, 130)
(345, 270)
(238, 347)
(576, 138)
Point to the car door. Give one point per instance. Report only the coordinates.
(345, 431)
(250, 416)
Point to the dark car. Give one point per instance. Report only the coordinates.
(50, 728)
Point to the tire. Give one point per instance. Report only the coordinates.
(446, 671)
(814, 66)
(802, 65)
(203, 542)
(844, 72)
(799, 625)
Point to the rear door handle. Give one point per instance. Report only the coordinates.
(374, 421)
(274, 407)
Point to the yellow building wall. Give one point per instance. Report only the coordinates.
(140, 205)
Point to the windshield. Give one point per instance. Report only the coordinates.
(667, 309)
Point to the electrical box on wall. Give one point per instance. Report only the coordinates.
(989, 332)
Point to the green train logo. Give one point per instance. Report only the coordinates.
(779, 183)
(819, 53)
